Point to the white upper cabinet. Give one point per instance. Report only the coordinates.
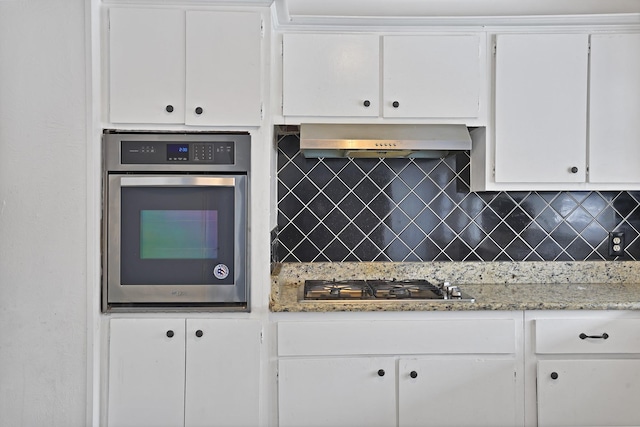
(566, 113)
(541, 107)
(146, 65)
(614, 109)
(431, 76)
(171, 66)
(331, 75)
(223, 68)
(383, 76)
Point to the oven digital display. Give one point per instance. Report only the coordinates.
(178, 152)
(178, 234)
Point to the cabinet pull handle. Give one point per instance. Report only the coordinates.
(554, 375)
(381, 372)
(574, 170)
(395, 104)
(413, 374)
(604, 336)
(366, 103)
(169, 108)
(199, 333)
(199, 110)
(170, 333)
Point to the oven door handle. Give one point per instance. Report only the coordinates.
(177, 181)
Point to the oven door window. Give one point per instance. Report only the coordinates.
(177, 235)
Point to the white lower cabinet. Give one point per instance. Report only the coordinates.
(588, 393)
(177, 372)
(343, 391)
(587, 368)
(468, 391)
(455, 372)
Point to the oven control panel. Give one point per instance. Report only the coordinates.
(167, 152)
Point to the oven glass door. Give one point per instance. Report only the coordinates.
(177, 239)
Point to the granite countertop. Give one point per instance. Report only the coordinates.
(585, 285)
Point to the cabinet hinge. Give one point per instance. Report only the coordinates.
(589, 47)
(261, 337)
(262, 28)
(261, 111)
(495, 47)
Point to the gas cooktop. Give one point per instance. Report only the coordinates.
(382, 290)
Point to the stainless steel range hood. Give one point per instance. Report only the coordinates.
(382, 140)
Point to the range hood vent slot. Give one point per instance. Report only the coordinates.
(382, 140)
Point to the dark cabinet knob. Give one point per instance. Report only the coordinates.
(381, 372)
(199, 333)
(170, 333)
(169, 108)
(366, 103)
(199, 110)
(574, 170)
(395, 104)
(554, 375)
(413, 374)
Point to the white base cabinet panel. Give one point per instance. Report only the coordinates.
(172, 372)
(146, 373)
(588, 393)
(329, 392)
(582, 368)
(452, 370)
(457, 392)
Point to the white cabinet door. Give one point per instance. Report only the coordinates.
(146, 65)
(614, 108)
(196, 67)
(457, 392)
(223, 373)
(331, 75)
(541, 108)
(431, 76)
(330, 392)
(146, 373)
(223, 68)
(588, 393)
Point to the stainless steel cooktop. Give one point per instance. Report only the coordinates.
(382, 290)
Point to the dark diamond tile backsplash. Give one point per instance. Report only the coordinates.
(422, 210)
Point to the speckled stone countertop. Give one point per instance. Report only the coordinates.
(585, 285)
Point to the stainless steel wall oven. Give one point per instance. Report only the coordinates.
(175, 221)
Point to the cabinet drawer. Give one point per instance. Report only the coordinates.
(587, 336)
(493, 336)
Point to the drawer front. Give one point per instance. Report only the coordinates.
(558, 336)
(487, 336)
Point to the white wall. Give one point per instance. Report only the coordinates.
(43, 241)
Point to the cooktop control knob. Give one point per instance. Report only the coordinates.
(451, 291)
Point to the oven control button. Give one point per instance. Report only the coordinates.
(221, 271)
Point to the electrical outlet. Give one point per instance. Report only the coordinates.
(616, 243)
